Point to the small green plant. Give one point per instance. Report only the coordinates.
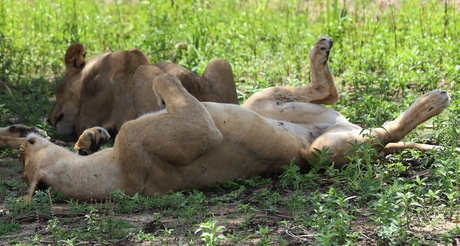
(452, 198)
(35, 239)
(406, 199)
(263, 232)
(41, 203)
(248, 214)
(58, 234)
(78, 207)
(388, 215)
(333, 216)
(269, 200)
(433, 196)
(7, 228)
(167, 234)
(93, 220)
(124, 203)
(210, 232)
(291, 176)
(142, 236)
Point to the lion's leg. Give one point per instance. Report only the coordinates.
(321, 90)
(425, 107)
(11, 142)
(392, 148)
(221, 85)
(17, 131)
(91, 140)
(338, 139)
(13, 136)
(142, 87)
(33, 186)
(31, 191)
(177, 135)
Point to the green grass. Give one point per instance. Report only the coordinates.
(384, 56)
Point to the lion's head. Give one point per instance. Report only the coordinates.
(67, 106)
(110, 89)
(84, 98)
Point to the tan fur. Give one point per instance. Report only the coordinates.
(75, 57)
(102, 91)
(91, 141)
(13, 136)
(192, 145)
(215, 85)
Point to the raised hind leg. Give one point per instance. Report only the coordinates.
(321, 90)
(339, 137)
(178, 134)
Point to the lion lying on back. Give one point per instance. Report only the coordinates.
(192, 144)
(115, 87)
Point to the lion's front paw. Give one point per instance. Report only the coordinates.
(91, 140)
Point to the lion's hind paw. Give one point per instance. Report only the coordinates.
(442, 99)
(433, 103)
(91, 140)
(325, 41)
(425, 107)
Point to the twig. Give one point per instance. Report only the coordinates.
(300, 237)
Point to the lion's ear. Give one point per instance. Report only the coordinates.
(75, 56)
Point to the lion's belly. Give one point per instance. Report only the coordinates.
(252, 145)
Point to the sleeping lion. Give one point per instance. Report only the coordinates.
(112, 88)
(190, 144)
